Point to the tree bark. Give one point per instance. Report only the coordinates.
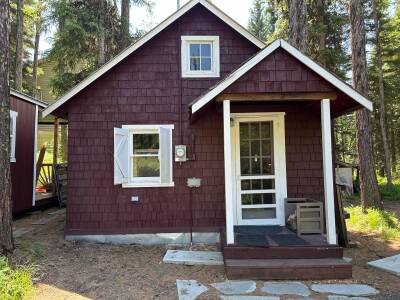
(382, 110)
(101, 59)
(125, 35)
(19, 51)
(393, 149)
(6, 238)
(369, 192)
(320, 18)
(38, 30)
(298, 30)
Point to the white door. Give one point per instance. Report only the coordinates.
(260, 168)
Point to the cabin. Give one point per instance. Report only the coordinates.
(24, 112)
(200, 132)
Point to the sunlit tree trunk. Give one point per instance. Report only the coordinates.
(369, 193)
(6, 238)
(19, 57)
(298, 30)
(125, 35)
(382, 111)
(38, 29)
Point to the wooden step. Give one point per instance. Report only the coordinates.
(296, 269)
(309, 252)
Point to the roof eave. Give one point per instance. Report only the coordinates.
(28, 98)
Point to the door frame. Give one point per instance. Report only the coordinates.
(278, 119)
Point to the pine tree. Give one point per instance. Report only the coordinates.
(6, 238)
(369, 192)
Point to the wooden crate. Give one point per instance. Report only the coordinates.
(310, 218)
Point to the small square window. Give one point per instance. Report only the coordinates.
(200, 56)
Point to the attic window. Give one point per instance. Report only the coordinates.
(200, 56)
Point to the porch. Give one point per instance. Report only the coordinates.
(275, 252)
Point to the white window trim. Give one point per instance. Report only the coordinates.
(136, 182)
(13, 135)
(185, 57)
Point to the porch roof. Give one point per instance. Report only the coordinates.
(337, 83)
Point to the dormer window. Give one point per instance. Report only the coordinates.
(200, 56)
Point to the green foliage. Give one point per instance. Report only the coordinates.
(383, 223)
(15, 283)
(263, 16)
(389, 194)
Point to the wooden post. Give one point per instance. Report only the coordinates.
(55, 144)
(328, 172)
(228, 172)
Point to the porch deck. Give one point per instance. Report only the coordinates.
(275, 252)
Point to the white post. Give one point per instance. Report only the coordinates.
(34, 155)
(328, 171)
(228, 172)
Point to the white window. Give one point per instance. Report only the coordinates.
(13, 134)
(200, 56)
(143, 155)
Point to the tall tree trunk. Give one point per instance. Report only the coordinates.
(369, 195)
(125, 35)
(298, 30)
(38, 30)
(382, 111)
(19, 51)
(6, 238)
(393, 149)
(101, 59)
(320, 18)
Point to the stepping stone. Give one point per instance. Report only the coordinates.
(235, 287)
(286, 288)
(347, 259)
(189, 289)
(335, 297)
(249, 298)
(345, 289)
(44, 221)
(389, 264)
(21, 231)
(57, 212)
(190, 258)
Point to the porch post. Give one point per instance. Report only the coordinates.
(328, 171)
(228, 172)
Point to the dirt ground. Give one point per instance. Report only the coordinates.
(74, 271)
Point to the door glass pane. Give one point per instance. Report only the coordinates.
(258, 213)
(146, 166)
(266, 147)
(257, 184)
(255, 130)
(255, 148)
(266, 130)
(244, 148)
(255, 166)
(258, 198)
(268, 184)
(245, 166)
(244, 131)
(267, 166)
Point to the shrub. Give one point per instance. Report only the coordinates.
(383, 223)
(389, 194)
(15, 283)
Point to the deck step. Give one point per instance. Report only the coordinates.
(296, 269)
(312, 252)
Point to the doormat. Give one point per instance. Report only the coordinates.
(253, 240)
(254, 229)
(288, 240)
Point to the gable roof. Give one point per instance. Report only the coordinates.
(28, 98)
(230, 79)
(147, 37)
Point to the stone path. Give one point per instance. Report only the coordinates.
(241, 290)
(209, 258)
(389, 264)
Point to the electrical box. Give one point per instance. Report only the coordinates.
(180, 153)
(193, 182)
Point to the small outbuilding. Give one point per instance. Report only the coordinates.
(24, 111)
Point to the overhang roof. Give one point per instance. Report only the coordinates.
(147, 37)
(200, 102)
(28, 98)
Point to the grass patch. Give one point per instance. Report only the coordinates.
(32, 251)
(380, 222)
(15, 283)
(389, 194)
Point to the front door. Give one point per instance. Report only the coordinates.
(260, 169)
